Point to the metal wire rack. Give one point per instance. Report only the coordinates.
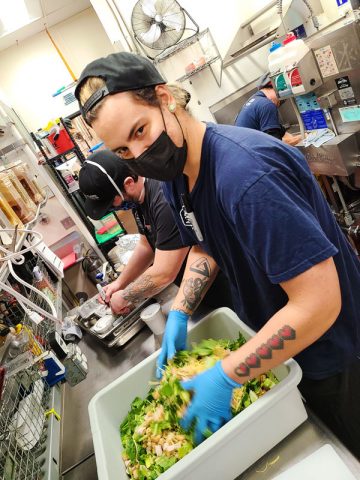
(25, 397)
(43, 329)
(23, 425)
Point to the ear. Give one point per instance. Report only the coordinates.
(129, 184)
(164, 96)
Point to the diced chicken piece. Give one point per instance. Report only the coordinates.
(158, 450)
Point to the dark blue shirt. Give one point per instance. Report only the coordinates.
(258, 113)
(265, 220)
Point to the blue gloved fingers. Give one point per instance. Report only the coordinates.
(215, 424)
(201, 428)
(189, 417)
(188, 385)
(171, 350)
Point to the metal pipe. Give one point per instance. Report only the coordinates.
(258, 14)
(236, 56)
(347, 215)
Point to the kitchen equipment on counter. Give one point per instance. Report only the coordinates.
(229, 451)
(113, 332)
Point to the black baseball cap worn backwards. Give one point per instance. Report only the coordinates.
(121, 72)
(95, 184)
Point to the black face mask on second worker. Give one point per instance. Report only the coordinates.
(163, 160)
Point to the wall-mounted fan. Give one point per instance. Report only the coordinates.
(160, 24)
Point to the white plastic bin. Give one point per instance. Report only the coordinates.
(229, 451)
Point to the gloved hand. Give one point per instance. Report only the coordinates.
(174, 338)
(210, 405)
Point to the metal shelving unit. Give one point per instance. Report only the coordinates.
(30, 410)
(75, 197)
(202, 42)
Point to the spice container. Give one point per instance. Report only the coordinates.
(9, 213)
(21, 191)
(29, 183)
(14, 199)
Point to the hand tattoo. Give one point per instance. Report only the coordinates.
(265, 351)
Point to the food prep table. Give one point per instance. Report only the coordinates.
(105, 365)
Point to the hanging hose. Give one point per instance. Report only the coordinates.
(314, 19)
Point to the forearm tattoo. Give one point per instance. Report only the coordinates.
(194, 287)
(265, 351)
(142, 287)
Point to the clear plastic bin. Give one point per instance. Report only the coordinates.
(229, 451)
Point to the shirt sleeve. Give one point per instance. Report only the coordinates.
(268, 116)
(167, 233)
(279, 228)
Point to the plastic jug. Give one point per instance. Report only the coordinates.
(294, 50)
(274, 59)
(277, 60)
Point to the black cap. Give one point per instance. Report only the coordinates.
(264, 81)
(96, 186)
(121, 72)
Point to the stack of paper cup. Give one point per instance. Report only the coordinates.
(155, 320)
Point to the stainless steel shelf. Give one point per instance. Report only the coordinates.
(198, 69)
(181, 46)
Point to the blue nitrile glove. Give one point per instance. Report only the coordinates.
(174, 338)
(210, 405)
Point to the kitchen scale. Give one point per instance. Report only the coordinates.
(122, 329)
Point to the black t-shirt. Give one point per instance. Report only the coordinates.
(155, 219)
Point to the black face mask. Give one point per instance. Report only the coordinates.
(163, 160)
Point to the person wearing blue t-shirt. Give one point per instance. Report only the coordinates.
(260, 112)
(247, 203)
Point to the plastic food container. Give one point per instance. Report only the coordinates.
(36, 194)
(229, 451)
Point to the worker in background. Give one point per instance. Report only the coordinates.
(109, 185)
(260, 112)
(247, 203)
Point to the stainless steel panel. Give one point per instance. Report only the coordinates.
(339, 156)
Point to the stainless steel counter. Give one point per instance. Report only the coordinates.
(105, 365)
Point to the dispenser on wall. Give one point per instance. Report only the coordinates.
(293, 68)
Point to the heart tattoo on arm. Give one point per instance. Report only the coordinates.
(265, 351)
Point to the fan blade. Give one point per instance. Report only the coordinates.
(173, 22)
(152, 35)
(148, 7)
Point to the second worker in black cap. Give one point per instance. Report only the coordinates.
(158, 259)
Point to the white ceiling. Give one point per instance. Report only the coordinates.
(51, 11)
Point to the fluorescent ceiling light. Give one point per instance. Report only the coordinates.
(18, 13)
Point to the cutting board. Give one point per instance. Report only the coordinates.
(324, 464)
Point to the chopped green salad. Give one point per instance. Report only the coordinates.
(150, 433)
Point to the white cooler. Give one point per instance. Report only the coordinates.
(229, 451)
